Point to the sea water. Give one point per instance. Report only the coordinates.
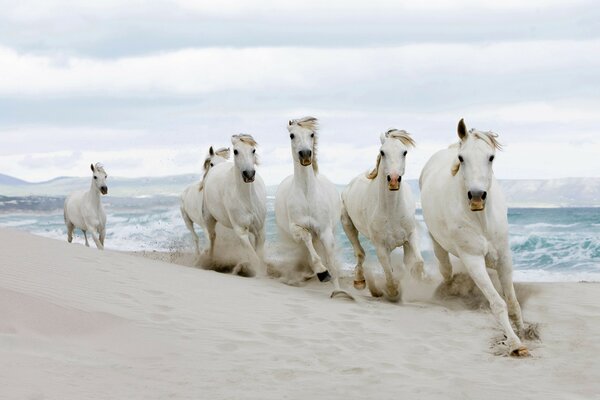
(548, 244)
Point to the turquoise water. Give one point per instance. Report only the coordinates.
(556, 244)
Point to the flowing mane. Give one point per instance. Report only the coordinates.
(489, 137)
(398, 134)
(245, 138)
(312, 124)
(100, 168)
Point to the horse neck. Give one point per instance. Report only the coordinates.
(304, 177)
(94, 194)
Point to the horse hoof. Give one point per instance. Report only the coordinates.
(360, 285)
(520, 352)
(324, 276)
(341, 294)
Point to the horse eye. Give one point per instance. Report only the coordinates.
(460, 159)
(312, 135)
(405, 152)
(291, 136)
(212, 164)
(253, 151)
(235, 152)
(95, 177)
(381, 152)
(491, 158)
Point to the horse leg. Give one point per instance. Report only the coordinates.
(443, 260)
(359, 252)
(476, 267)
(259, 241)
(96, 239)
(190, 225)
(328, 242)
(70, 229)
(392, 284)
(413, 258)
(85, 236)
(504, 269)
(211, 228)
(300, 233)
(102, 236)
(244, 236)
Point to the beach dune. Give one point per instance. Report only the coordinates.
(77, 323)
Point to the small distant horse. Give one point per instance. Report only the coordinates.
(307, 205)
(191, 198)
(84, 209)
(382, 209)
(235, 196)
(466, 214)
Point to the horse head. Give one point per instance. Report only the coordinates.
(244, 156)
(99, 177)
(392, 157)
(476, 153)
(303, 135)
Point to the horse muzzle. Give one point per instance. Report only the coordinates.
(394, 182)
(248, 176)
(305, 157)
(104, 190)
(477, 199)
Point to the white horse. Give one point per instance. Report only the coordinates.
(382, 209)
(84, 209)
(466, 214)
(191, 198)
(235, 196)
(307, 205)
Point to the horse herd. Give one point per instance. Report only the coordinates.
(463, 208)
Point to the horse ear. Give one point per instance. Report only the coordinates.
(290, 122)
(211, 151)
(462, 129)
(92, 167)
(382, 138)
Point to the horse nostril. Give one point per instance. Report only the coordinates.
(389, 178)
(305, 154)
(484, 195)
(469, 195)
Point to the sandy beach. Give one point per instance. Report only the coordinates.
(78, 323)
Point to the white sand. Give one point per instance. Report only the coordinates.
(77, 323)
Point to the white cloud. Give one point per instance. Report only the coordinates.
(262, 70)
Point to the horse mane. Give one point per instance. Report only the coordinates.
(489, 137)
(100, 168)
(401, 135)
(397, 134)
(245, 138)
(312, 124)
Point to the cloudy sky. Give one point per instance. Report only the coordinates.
(146, 86)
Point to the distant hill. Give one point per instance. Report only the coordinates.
(563, 192)
(11, 181)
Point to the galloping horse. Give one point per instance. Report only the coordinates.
(382, 209)
(235, 196)
(307, 205)
(466, 214)
(84, 209)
